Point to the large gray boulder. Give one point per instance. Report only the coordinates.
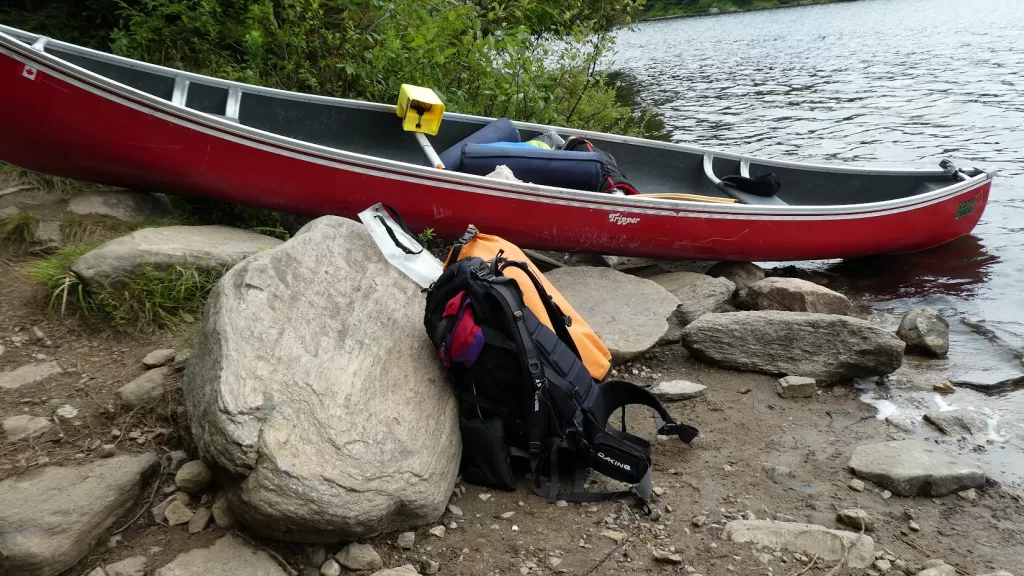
(124, 205)
(794, 295)
(207, 247)
(826, 347)
(698, 294)
(50, 518)
(628, 313)
(915, 468)
(315, 391)
(742, 274)
(925, 331)
(809, 539)
(229, 556)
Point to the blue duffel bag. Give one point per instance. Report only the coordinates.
(561, 168)
(501, 130)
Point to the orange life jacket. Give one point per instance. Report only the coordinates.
(593, 352)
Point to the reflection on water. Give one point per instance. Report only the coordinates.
(959, 269)
(876, 83)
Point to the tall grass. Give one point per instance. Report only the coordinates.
(19, 228)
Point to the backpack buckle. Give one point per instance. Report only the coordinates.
(679, 430)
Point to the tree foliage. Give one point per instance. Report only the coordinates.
(533, 60)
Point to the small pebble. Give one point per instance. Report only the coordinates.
(856, 485)
(914, 526)
(106, 451)
(437, 531)
(886, 494)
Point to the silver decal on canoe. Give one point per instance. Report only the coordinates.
(29, 72)
(621, 220)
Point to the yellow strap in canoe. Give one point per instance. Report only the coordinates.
(689, 197)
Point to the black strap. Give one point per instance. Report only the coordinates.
(453, 254)
(641, 491)
(619, 393)
(495, 338)
(513, 305)
(394, 238)
(559, 321)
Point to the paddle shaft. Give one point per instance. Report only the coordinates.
(429, 150)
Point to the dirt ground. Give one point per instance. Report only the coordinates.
(758, 456)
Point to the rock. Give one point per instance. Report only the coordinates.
(885, 494)
(437, 531)
(826, 347)
(222, 515)
(428, 566)
(193, 477)
(914, 526)
(359, 557)
(199, 520)
(229, 556)
(146, 389)
(28, 374)
(667, 557)
(971, 494)
(796, 387)
(208, 247)
(181, 360)
(983, 380)
(159, 357)
(106, 451)
(943, 387)
(809, 539)
(66, 412)
(178, 513)
(676, 390)
(51, 517)
(794, 295)
(284, 391)
(614, 535)
(97, 572)
(997, 573)
(455, 510)
(856, 485)
(159, 511)
(944, 570)
(628, 313)
(857, 519)
(915, 468)
(9, 211)
(134, 566)
(882, 565)
(698, 294)
(741, 274)
(48, 232)
(25, 427)
(960, 422)
(406, 540)
(316, 555)
(330, 568)
(925, 331)
(124, 205)
(171, 462)
(406, 570)
(900, 421)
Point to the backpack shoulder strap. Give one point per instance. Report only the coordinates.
(560, 322)
(615, 394)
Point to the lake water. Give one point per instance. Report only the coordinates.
(877, 83)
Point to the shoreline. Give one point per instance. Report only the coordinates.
(736, 10)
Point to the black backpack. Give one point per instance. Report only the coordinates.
(526, 401)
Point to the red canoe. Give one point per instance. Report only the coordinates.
(79, 113)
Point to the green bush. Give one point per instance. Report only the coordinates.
(531, 60)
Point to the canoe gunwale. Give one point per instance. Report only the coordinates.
(11, 44)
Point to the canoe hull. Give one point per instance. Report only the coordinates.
(68, 126)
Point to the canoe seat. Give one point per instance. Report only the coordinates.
(732, 191)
